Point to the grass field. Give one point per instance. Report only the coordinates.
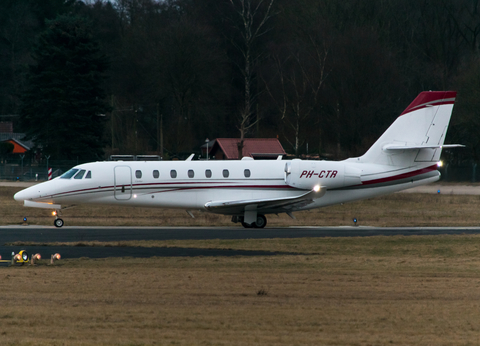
(415, 290)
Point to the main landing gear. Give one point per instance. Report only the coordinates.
(260, 222)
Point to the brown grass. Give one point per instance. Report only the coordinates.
(355, 291)
(393, 210)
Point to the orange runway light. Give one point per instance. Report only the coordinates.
(35, 258)
(55, 257)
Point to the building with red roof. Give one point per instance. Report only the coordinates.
(18, 147)
(256, 148)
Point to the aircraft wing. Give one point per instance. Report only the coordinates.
(282, 204)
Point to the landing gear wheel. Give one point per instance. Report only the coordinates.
(58, 222)
(246, 225)
(261, 221)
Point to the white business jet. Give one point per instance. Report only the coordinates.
(406, 155)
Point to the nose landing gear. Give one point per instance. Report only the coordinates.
(58, 222)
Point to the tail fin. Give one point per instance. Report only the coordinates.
(418, 134)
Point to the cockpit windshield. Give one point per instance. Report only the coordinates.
(80, 174)
(69, 174)
(76, 174)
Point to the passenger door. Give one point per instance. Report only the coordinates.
(123, 182)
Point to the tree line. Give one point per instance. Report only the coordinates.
(326, 77)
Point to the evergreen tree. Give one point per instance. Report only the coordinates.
(63, 103)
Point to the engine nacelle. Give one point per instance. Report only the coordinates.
(306, 175)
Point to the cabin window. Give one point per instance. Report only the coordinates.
(191, 173)
(225, 173)
(173, 173)
(156, 174)
(138, 174)
(246, 173)
(89, 175)
(80, 174)
(208, 173)
(70, 173)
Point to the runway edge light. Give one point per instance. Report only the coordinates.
(54, 257)
(35, 258)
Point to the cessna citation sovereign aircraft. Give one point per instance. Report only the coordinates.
(406, 155)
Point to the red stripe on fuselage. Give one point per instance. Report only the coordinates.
(172, 188)
(401, 176)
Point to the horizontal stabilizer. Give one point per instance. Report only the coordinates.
(228, 207)
(416, 147)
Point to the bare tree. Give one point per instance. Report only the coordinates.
(301, 75)
(252, 26)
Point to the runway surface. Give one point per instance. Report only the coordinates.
(49, 234)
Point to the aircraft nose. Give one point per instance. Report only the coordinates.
(24, 194)
(20, 196)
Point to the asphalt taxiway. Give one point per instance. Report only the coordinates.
(44, 234)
